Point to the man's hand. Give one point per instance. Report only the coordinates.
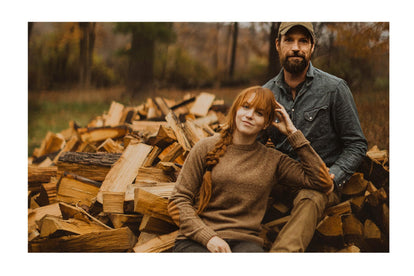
(218, 245)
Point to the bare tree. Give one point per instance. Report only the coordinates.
(233, 49)
(273, 61)
(86, 46)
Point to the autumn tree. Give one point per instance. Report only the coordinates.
(357, 52)
(141, 53)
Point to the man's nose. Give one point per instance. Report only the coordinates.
(295, 46)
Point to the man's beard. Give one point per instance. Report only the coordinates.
(294, 68)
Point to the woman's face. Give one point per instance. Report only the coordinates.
(249, 120)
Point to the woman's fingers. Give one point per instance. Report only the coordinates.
(218, 245)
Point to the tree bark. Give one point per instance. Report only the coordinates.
(273, 61)
(86, 46)
(233, 49)
(141, 64)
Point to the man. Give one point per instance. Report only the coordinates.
(322, 107)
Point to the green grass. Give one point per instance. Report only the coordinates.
(55, 116)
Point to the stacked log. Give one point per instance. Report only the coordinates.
(105, 187)
(359, 223)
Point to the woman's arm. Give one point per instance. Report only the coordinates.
(181, 203)
(311, 172)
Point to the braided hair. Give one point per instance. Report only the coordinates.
(263, 99)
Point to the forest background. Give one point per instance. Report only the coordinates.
(76, 69)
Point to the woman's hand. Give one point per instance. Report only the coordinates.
(217, 245)
(333, 186)
(284, 124)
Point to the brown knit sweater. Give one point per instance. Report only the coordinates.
(242, 181)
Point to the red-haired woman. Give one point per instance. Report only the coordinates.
(221, 193)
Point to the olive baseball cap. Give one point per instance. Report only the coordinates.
(286, 26)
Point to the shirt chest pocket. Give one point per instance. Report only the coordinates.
(317, 121)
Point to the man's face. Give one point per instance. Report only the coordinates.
(295, 49)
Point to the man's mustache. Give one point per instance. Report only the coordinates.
(296, 55)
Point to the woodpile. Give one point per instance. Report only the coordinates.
(359, 223)
(105, 187)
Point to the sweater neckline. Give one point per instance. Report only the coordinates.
(245, 147)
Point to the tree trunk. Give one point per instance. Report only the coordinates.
(141, 64)
(86, 46)
(233, 49)
(216, 55)
(30, 28)
(273, 61)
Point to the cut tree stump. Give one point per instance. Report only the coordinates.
(202, 104)
(373, 236)
(111, 146)
(356, 185)
(113, 202)
(148, 203)
(176, 126)
(38, 174)
(94, 166)
(151, 224)
(115, 114)
(339, 209)
(132, 221)
(98, 134)
(158, 244)
(53, 226)
(353, 230)
(124, 170)
(74, 189)
(117, 240)
(52, 143)
(329, 231)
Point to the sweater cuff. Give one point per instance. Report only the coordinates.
(205, 235)
(297, 139)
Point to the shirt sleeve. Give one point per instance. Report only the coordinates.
(311, 172)
(181, 205)
(348, 127)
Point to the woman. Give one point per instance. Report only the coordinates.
(221, 193)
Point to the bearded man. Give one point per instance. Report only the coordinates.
(322, 107)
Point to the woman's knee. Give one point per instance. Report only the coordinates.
(188, 245)
(245, 246)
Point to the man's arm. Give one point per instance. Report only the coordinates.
(348, 127)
